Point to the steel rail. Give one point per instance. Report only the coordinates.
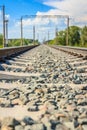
(70, 47)
(13, 51)
(76, 51)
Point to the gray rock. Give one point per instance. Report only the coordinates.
(76, 123)
(55, 76)
(19, 127)
(2, 68)
(39, 126)
(83, 102)
(24, 99)
(33, 108)
(84, 127)
(54, 123)
(84, 88)
(69, 125)
(28, 121)
(32, 96)
(83, 121)
(13, 96)
(77, 81)
(61, 127)
(81, 70)
(6, 103)
(10, 122)
(48, 125)
(27, 127)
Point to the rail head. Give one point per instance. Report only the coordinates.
(9, 51)
(70, 47)
(76, 51)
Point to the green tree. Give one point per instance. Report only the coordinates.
(61, 38)
(1, 40)
(74, 35)
(84, 36)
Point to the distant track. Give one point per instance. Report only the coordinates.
(76, 51)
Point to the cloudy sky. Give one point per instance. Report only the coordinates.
(14, 9)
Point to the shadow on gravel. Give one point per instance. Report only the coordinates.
(2, 68)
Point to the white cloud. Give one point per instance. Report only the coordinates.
(42, 26)
(35, 21)
(0, 21)
(7, 16)
(0, 12)
(74, 8)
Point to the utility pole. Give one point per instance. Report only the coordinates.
(67, 37)
(6, 33)
(38, 37)
(21, 31)
(48, 36)
(33, 34)
(56, 34)
(3, 13)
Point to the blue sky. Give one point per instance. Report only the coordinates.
(14, 9)
(75, 9)
(17, 8)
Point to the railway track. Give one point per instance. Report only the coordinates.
(43, 89)
(14, 51)
(76, 51)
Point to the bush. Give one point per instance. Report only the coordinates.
(1, 40)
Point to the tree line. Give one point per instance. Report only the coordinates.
(17, 42)
(76, 37)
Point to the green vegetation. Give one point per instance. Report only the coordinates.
(74, 35)
(77, 37)
(17, 42)
(1, 40)
(14, 42)
(84, 36)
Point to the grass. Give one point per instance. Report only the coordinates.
(84, 46)
(1, 46)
